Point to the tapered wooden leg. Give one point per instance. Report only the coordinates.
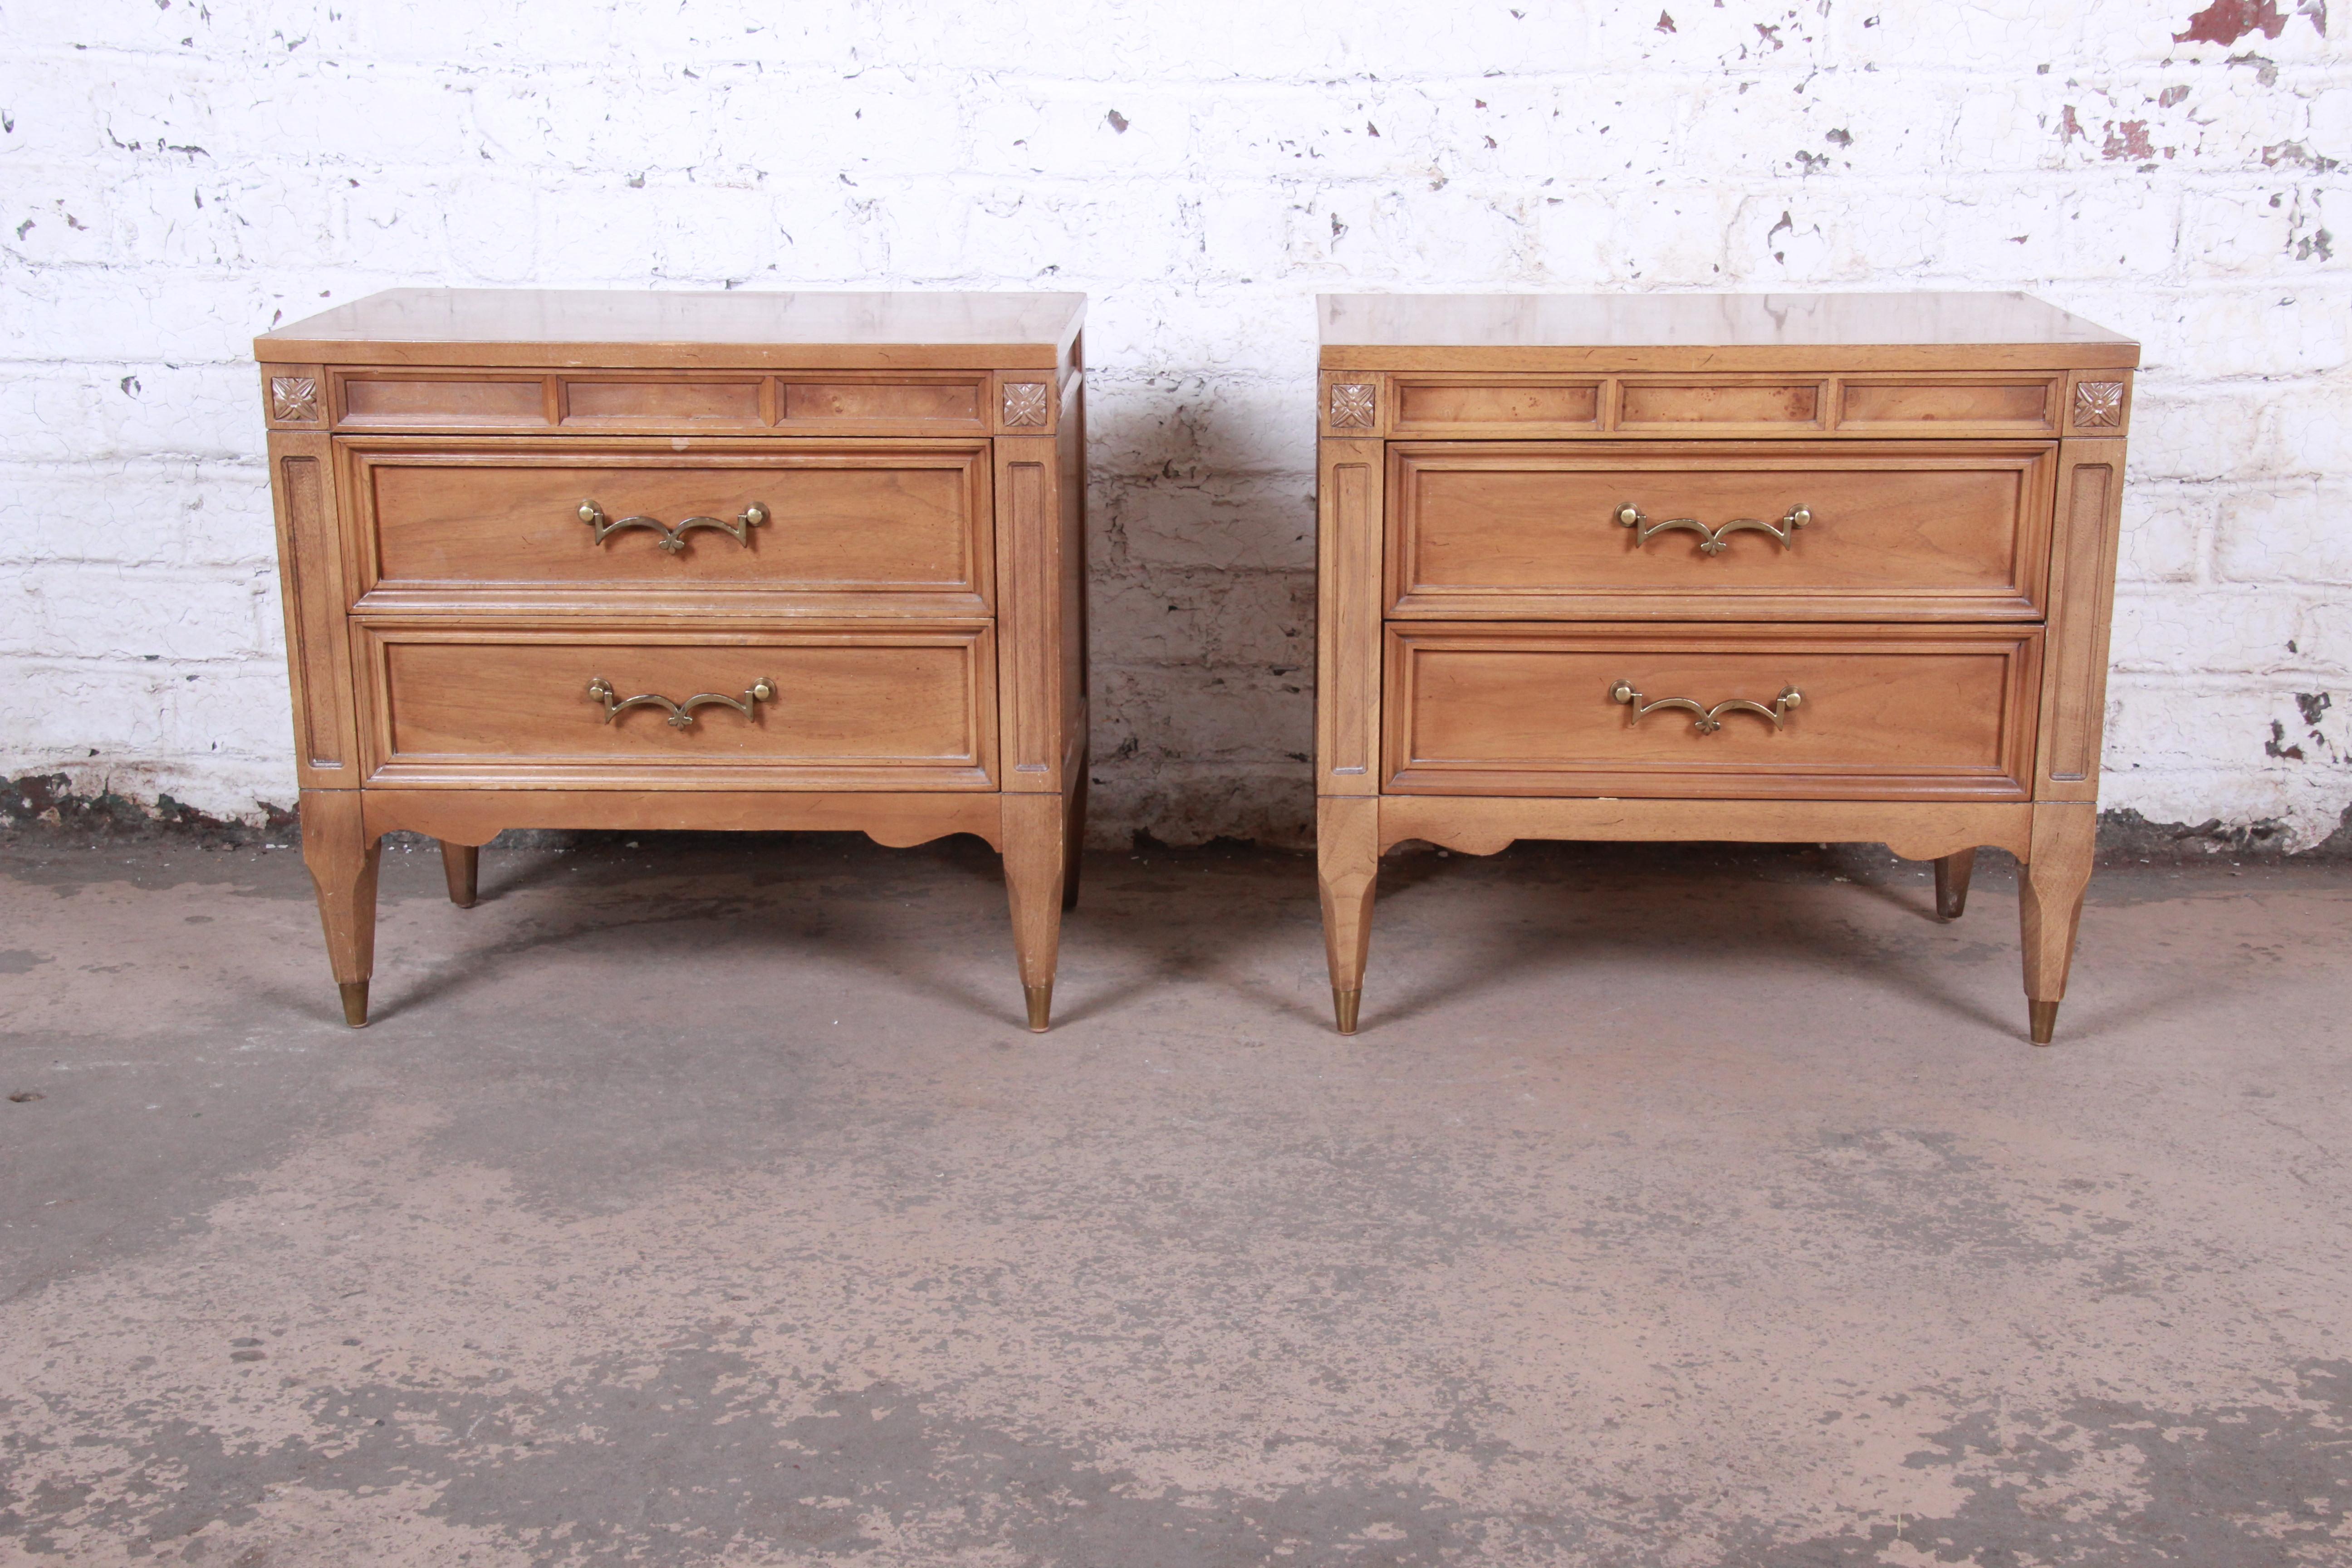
(1073, 836)
(1346, 868)
(1952, 874)
(341, 857)
(2050, 904)
(1036, 843)
(461, 866)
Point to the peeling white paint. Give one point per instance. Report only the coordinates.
(177, 177)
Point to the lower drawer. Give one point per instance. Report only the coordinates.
(903, 708)
(1870, 712)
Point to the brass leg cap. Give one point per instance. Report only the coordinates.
(354, 1002)
(1040, 1006)
(2046, 1020)
(1344, 1004)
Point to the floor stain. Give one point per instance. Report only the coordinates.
(706, 1203)
(2240, 1486)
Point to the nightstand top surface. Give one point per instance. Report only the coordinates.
(1685, 332)
(558, 328)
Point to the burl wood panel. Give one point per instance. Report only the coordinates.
(909, 709)
(1925, 404)
(1940, 531)
(1719, 404)
(618, 402)
(2011, 406)
(1886, 712)
(462, 402)
(1488, 406)
(629, 400)
(960, 401)
(874, 518)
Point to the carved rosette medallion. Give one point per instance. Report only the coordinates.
(1351, 405)
(2099, 404)
(294, 399)
(1024, 403)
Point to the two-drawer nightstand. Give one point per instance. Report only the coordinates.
(1759, 567)
(683, 561)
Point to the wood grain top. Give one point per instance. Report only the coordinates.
(559, 328)
(1710, 332)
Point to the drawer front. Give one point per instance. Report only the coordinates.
(831, 525)
(1930, 532)
(904, 708)
(1883, 712)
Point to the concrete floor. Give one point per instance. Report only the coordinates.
(705, 1202)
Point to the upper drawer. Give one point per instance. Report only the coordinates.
(1731, 530)
(894, 528)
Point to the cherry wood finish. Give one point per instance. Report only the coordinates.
(839, 537)
(1914, 646)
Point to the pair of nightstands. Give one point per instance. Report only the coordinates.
(684, 561)
(1803, 568)
(1778, 568)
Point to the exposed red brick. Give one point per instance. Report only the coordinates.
(2227, 21)
(2129, 142)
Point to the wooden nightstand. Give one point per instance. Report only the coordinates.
(683, 561)
(1744, 567)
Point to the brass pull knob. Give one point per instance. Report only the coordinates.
(673, 540)
(1709, 720)
(682, 714)
(1711, 540)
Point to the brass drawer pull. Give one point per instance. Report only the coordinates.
(682, 714)
(673, 540)
(1711, 540)
(1709, 720)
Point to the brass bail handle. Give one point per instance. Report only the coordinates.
(1711, 540)
(682, 714)
(1709, 720)
(673, 540)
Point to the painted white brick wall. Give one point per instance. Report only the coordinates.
(173, 177)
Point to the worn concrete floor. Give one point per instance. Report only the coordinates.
(705, 1202)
